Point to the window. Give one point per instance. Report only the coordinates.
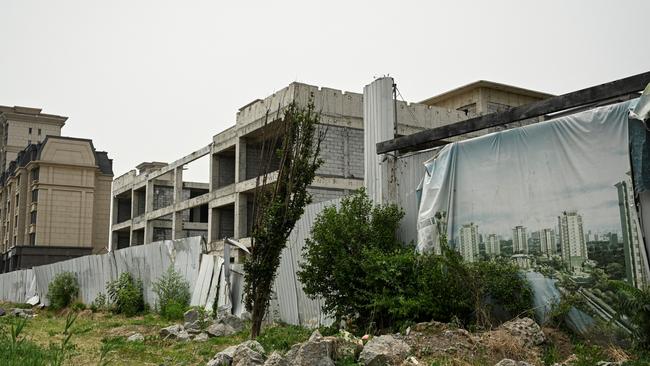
(32, 239)
(29, 142)
(39, 131)
(35, 195)
(32, 217)
(30, 130)
(35, 173)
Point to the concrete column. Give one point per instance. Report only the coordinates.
(177, 218)
(240, 160)
(148, 202)
(214, 172)
(241, 211)
(148, 232)
(213, 225)
(135, 202)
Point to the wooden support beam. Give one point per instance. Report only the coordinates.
(559, 103)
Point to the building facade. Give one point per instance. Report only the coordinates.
(519, 240)
(547, 242)
(22, 126)
(572, 240)
(493, 245)
(468, 242)
(54, 193)
(635, 273)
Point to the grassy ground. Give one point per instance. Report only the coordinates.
(102, 333)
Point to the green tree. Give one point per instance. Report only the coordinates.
(126, 295)
(278, 205)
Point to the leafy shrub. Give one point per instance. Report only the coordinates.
(78, 306)
(126, 295)
(173, 294)
(63, 289)
(635, 303)
(369, 278)
(99, 303)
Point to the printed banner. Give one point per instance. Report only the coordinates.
(555, 198)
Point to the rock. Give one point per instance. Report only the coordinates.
(33, 301)
(245, 356)
(233, 321)
(192, 319)
(526, 330)
(201, 337)
(175, 331)
(245, 316)
(223, 358)
(384, 350)
(411, 361)
(276, 359)
(315, 336)
(220, 330)
(509, 362)
(22, 313)
(136, 337)
(608, 363)
(220, 360)
(2, 312)
(317, 351)
(346, 346)
(254, 345)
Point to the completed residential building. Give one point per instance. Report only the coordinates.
(572, 240)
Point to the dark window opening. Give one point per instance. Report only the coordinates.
(32, 218)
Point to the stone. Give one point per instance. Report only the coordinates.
(175, 331)
(315, 336)
(411, 361)
(2, 312)
(509, 362)
(276, 359)
(245, 356)
(245, 316)
(22, 313)
(220, 330)
(526, 330)
(201, 337)
(317, 351)
(136, 337)
(192, 319)
(233, 321)
(254, 345)
(223, 358)
(384, 350)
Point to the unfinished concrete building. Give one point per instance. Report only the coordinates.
(154, 203)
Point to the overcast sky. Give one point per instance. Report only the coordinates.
(155, 80)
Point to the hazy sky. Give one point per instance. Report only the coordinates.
(155, 80)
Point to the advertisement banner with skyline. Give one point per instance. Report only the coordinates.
(555, 198)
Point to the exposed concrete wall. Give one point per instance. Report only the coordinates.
(342, 152)
(324, 194)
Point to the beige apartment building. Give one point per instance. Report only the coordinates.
(152, 202)
(54, 194)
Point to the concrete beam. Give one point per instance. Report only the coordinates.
(122, 225)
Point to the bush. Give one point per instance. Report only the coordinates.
(369, 278)
(99, 304)
(173, 294)
(126, 295)
(78, 306)
(63, 289)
